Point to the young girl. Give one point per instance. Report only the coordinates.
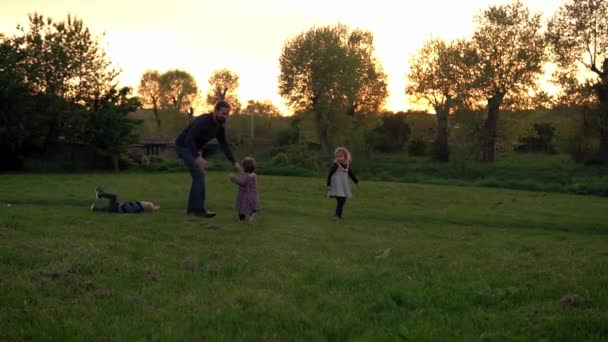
(247, 202)
(113, 206)
(338, 184)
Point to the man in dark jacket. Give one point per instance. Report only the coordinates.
(189, 145)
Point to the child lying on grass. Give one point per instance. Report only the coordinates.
(108, 202)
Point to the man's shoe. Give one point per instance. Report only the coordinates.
(205, 213)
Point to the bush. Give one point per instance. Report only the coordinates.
(286, 136)
(285, 170)
(297, 155)
(584, 145)
(391, 135)
(418, 147)
(539, 139)
(280, 159)
(158, 164)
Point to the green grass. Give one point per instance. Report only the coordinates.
(410, 261)
(519, 171)
(535, 172)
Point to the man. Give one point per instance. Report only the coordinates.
(189, 144)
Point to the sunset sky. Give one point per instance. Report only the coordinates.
(247, 36)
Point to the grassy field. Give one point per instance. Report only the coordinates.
(410, 261)
(518, 171)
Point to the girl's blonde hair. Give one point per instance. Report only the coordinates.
(345, 151)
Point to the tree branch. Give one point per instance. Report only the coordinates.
(595, 69)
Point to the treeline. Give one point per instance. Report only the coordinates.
(331, 74)
(58, 86)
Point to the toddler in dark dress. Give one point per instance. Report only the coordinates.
(247, 201)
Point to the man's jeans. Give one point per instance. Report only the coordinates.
(196, 200)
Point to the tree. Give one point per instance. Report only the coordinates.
(437, 78)
(56, 83)
(15, 105)
(149, 92)
(578, 37)
(64, 62)
(510, 51)
(222, 87)
(65, 59)
(368, 91)
(331, 72)
(260, 109)
(108, 129)
(178, 89)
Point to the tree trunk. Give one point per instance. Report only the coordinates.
(252, 129)
(156, 116)
(488, 139)
(440, 150)
(324, 141)
(115, 163)
(601, 90)
(322, 126)
(50, 135)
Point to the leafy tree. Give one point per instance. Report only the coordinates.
(578, 37)
(178, 89)
(109, 129)
(259, 109)
(149, 92)
(331, 72)
(368, 90)
(64, 62)
(222, 87)
(16, 104)
(437, 77)
(54, 78)
(510, 51)
(64, 59)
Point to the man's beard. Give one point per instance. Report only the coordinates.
(220, 119)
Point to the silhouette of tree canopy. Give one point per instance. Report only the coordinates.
(261, 108)
(52, 76)
(437, 77)
(222, 87)
(578, 37)
(178, 90)
(108, 128)
(330, 72)
(64, 59)
(510, 52)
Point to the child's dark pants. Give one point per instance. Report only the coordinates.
(340, 201)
